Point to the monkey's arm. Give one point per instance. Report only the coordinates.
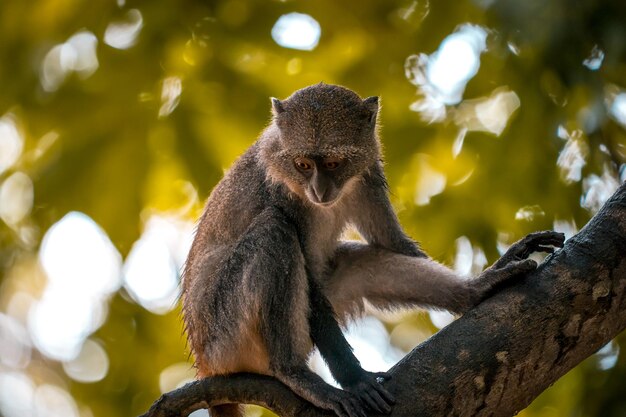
(375, 219)
(388, 279)
(391, 270)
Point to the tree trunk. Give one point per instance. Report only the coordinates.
(498, 357)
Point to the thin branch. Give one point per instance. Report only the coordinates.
(240, 388)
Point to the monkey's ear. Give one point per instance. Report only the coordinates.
(277, 106)
(371, 104)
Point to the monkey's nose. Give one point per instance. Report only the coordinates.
(319, 193)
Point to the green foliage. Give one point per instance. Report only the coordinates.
(111, 143)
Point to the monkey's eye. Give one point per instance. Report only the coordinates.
(331, 164)
(303, 164)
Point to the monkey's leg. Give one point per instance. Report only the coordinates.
(387, 279)
(207, 315)
(274, 270)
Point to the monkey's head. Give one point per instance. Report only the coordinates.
(325, 137)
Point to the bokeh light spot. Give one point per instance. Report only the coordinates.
(17, 394)
(91, 364)
(82, 47)
(83, 269)
(53, 401)
(440, 319)
(595, 58)
(567, 227)
(16, 198)
(573, 156)
(77, 54)
(371, 343)
(430, 181)
(618, 108)
(441, 77)
(297, 31)
(170, 95)
(608, 355)
(123, 34)
(470, 259)
(294, 66)
(61, 321)
(493, 113)
(529, 213)
(15, 346)
(151, 268)
(597, 189)
(407, 335)
(11, 142)
(415, 12)
(456, 62)
(200, 413)
(175, 376)
(77, 253)
(488, 114)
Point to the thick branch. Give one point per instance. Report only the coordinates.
(498, 357)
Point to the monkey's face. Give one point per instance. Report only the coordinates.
(321, 170)
(322, 181)
(326, 137)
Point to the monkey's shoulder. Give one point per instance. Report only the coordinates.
(241, 195)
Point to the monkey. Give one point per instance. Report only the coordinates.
(267, 277)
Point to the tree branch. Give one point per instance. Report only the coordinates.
(240, 388)
(495, 359)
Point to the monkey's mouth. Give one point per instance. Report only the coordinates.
(325, 201)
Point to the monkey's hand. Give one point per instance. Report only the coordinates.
(369, 389)
(534, 242)
(514, 263)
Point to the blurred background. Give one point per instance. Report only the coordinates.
(117, 117)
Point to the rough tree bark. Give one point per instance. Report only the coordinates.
(495, 359)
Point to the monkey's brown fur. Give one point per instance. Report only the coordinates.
(267, 277)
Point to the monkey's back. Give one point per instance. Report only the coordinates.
(234, 202)
(208, 296)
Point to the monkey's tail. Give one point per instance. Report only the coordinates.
(226, 410)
